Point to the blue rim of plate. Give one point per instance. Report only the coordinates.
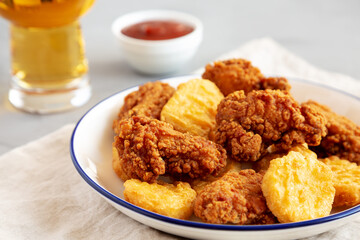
(187, 223)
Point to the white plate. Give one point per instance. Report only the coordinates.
(91, 152)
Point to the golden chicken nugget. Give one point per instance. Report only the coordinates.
(346, 181)
(298, 187)
(193, 107)
(235, 198)
(172, 200)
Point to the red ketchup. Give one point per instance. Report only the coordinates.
(157, 30)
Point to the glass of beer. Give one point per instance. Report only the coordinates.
(49, 67)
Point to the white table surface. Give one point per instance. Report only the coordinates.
(324, 33)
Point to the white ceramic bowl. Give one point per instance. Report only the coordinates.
(158, 56)
(91, 152)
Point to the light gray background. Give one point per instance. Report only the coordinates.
(325, 33)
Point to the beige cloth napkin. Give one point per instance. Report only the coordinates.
(43, 197)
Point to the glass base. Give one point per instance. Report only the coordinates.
(50, 101)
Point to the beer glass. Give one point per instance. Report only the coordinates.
(49, 67)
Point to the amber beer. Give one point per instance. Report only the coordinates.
(47, 52)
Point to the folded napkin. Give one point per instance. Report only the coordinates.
(43, 197)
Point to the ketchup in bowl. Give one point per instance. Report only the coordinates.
(157, 30)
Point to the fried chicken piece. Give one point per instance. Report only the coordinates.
(246, 125)
(147, 101)
(235, 198)
(148, 148)
(238, 74)
(343, 138)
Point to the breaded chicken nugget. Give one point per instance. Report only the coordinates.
(298, 187)
(193, 107)
(235, 198)
(148, 101)
(147, 148)
(172, 200)
(343, 137)
(346, 181)
(233, 74)
(248, 124)
(239, 74)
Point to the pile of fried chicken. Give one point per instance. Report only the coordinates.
(256, 119)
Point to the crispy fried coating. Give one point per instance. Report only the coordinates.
(232, 75)
(298, 187)
(172, 200)
(148, 148)
(235, 198)
(238, 74)
(343, 138)
(192, 108)
(346, 181)
(147, 101)
(246, 125)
